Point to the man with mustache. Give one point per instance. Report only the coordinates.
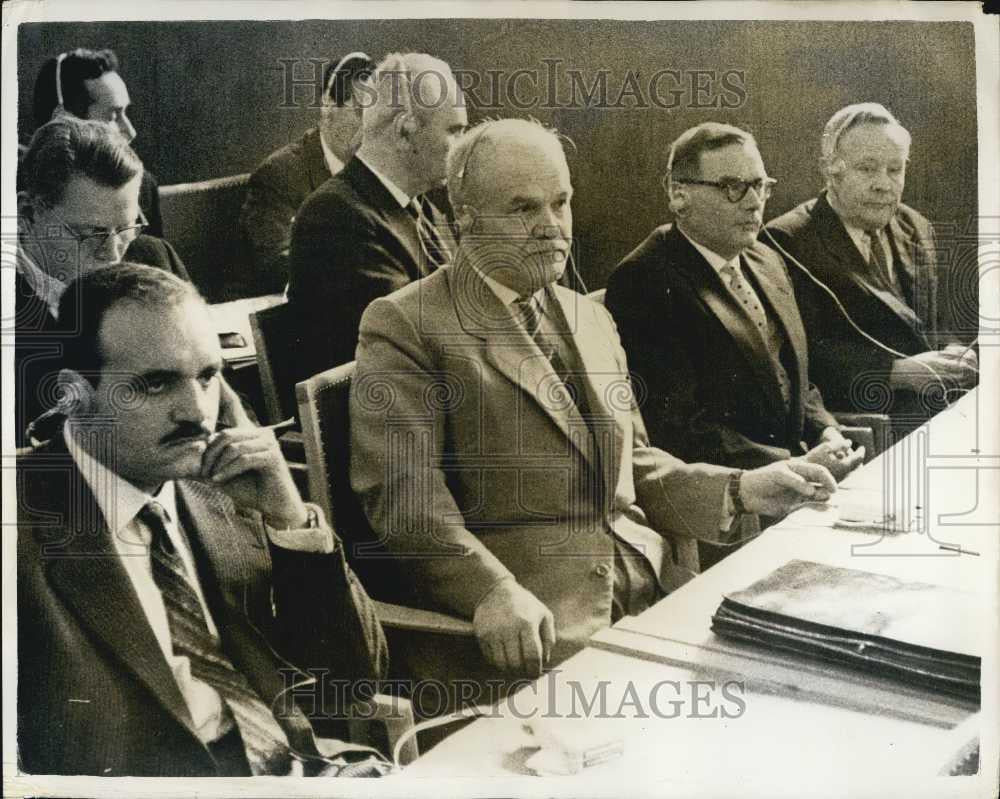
(878, 256)
(709, 321)
(174, 591)
(496, 446)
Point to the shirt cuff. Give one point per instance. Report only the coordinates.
(317, 539)
(728, 512)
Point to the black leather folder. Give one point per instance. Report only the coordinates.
(919, 634)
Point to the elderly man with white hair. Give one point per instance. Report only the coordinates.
(876, 260)
(497, 448)
(368, 231)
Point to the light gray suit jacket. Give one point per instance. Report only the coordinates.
(472, 466)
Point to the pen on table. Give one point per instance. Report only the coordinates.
(958, 549)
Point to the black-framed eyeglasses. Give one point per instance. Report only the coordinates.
(97, 239)
(736, 189)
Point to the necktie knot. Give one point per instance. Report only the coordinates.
(156, 518)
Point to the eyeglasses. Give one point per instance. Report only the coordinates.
(97, 239)
(736, 189)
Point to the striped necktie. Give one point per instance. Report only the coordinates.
(434, 249)
(529, 313)
(264, 741)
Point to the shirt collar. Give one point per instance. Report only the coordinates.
(118, 499)
(394, 190)
(716, 261)
(45, 287)
(858, 236)
(505, 294)
(333, 163)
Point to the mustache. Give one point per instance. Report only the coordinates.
(187, 430)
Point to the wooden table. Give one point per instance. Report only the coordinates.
(802, 726)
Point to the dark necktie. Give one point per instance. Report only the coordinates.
(434, 250)
(876, 261)
(264, 741)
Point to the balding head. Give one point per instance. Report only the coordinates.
(415, 112)
(509, 184)
(492, 152)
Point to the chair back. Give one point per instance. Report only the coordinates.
(275, 339)
(324, 410)
(201, 220)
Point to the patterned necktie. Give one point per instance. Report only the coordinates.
(530, 315)
(746, 296)
(434, 249)
(264, 741)
(877, 264)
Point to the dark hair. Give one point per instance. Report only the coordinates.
(685, 152)
(88, 298)
(78, 65)
(338, 84)
(66, 148)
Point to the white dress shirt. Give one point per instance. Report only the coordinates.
(120, 503)
(333, 163)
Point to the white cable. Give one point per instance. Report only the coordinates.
(465, 713)
(59, 94)
(847, 316)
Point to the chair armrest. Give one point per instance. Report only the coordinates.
(394, 714)
(416, 619)
(870, 430)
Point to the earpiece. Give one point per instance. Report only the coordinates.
(60, 109)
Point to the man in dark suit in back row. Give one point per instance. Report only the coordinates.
(878, 257)
(287, 176)
(710, 324)
(174, 592)
(79, 211)
(367, 231)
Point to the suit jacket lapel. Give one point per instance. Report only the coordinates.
(714, 295)
(841, 247)
(508, 348)
(227, 548)
(398, 221)
(773, 284)
(88, 574)
(603, 380)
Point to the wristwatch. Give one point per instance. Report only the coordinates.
(733, 488)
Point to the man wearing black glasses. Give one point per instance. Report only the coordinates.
(79, 212)
(709, 320)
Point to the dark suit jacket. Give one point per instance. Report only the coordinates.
(38, 338)
(852, 372)
(351, 243)
(712, 391)
(276, 190)
(95, 694)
